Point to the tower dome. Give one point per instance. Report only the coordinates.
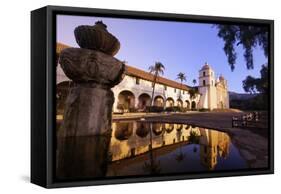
(221, 78)
(206, 66)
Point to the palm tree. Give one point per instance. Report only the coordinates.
(193, 92)
(194, 81)
(180, 157)
(152, 166)
(181, 76)
(157, 70)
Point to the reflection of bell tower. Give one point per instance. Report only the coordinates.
(213, 144)
(208, 148)
(207, 87)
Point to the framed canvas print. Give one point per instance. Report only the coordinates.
(125, 96)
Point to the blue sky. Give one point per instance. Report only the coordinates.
(180, 46)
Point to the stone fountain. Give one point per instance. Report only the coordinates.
(84, 137)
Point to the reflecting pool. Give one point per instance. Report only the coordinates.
(147, 148)
(139, 148)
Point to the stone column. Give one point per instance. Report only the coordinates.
(84, 137)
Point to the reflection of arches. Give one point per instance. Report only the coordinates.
(179, 103)
(179, 127)
(62, 91)
(126, 100)
(169, 102)
(144, 100)
(187, 104)
(158, 101)
(187, 127)
(142, 129)
(193, 105)
(179, 135)
(157, 128)
(169, 127)
(123, 131)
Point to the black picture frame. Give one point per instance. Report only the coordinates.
(43, 41)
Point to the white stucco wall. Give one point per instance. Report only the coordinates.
(211, 95)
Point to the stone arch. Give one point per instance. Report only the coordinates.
(179, 103)
(126, 100)
(187, 104)
(144, 100)
(170, 102)
(142, 129)
(158, 128)
(158, 101)
(193, 105)
(169, 127)
(179, 127)
(123, 130)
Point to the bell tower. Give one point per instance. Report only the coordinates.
(207, 87)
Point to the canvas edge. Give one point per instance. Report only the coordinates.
(52, 10)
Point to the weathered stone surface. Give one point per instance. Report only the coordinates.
(97, 37)
(82, 157)
(84, 137)
(89, 105)
(88, 112)
(84, 65)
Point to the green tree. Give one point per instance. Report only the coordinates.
(156, 69)
(258, 86)
(193, 92)
(246, 35)
(181, 76)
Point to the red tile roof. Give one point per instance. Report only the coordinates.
(135, 72)
(60, 47)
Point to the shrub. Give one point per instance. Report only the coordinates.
(154, 109)
(176, 109)
(169, 109)
(204, 110)
(184, 109)
(133, 109)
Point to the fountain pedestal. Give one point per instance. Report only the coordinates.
(84, 137)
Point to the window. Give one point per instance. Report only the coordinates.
(212, 82)
(204, 73)
(204, 82)
(175, 90)
(165, 87)
(137, 80)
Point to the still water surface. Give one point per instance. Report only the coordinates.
(143, 148)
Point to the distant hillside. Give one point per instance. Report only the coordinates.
(247, 101)
(240, 96)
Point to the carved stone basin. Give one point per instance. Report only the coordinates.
(97, 37)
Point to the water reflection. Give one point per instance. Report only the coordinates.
(155, 148)
(142, 148)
